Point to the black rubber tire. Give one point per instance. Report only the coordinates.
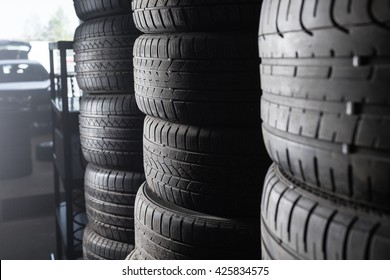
(325, 76)
(207, 170)
(90, 9)
(15, 144)
(166, 231)
(44, 151)
(196, 15)
(16, 162)
(88, 255)
(201, 79)
(103, 222)
(139, 254)
(111, 131)
(103, 55)
(98, 247)
(130, 255)
(110, 197)
(298, 224)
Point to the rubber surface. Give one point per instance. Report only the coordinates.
(16, 162)
(298, 224)
(196, 15)
(89, 9)
(98, 247)
(110, 197)
(325, 75)
(15, 144)
(202, 79)
(111, 131)
(139, 254)
(103, 54)
(166, 231)
(208, 170)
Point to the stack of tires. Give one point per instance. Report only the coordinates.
(110, 125)
(325, 77)
(196, 77)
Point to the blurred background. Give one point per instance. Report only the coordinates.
(38, 22)
(27, 223)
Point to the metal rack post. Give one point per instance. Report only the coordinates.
(67, 158)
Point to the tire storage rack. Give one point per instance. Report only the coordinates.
(196, 78)
(325, 76)
(67, 158)
(110, 126)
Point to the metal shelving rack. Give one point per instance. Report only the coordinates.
(68, 166)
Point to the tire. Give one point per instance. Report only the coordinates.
(16, 162)
(88, 255)
(130, 255)
(139, 254)
(200, 79)
(325, 103)
(105, 224)
(15, 144)
(103, 55)
(90, 9)
(166, 231)
(44, 151)
(111, 132)
(196, 16)
(299, 224)
(110, 197)
(206, 170)
(97, 247)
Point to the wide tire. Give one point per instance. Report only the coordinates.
(166, 232)
(300, 224)
(325, 76)
(196, 15)
(96, 247)
(111, 131)
(90, 9)
(201, 79)
(215, 171)
(110, 197)
(103, 55)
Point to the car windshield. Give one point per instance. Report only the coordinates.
(22, 72)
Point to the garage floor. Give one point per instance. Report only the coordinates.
(27, 224)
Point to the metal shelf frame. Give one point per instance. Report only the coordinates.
(68, 168)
